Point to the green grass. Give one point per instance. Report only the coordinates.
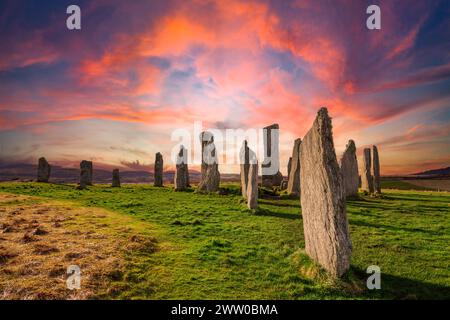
(217, 249)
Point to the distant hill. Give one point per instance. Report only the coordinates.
(28, 172)
(434, 172)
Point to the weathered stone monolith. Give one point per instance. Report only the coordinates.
(115, 178)
(349, 170)
(289, 166)
(294, 176)
(376, 170)
(181, 178)
(244, 164)
(44, 169)
(366, 176)
(252, 186)
(86, 172)
(271, 175)
(158, 170)
(210, 165)
(325, 223)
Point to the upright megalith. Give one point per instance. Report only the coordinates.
(325, 223)
(349, 170)
(271, 175)
(86, 172)
(44, 169)
(210, 165)
(244, 163)
(252, 185)
(376, 170)
(181, 178)
(289, 166)
(158, 170)
(293, 187)
(366, 176)
(115, 178)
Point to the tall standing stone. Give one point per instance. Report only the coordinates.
(210, 165)
(44, 169)
(252, 185)
(376, 170)
(86, 172)
(349, 170)
(366, 177)
(181, 178)
(244, 167)
(294, 176)
(289, 166)
(158, 171)
(115, 178)
(271, 175)
(325, 223)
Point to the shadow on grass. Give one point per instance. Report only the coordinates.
(266, 212)
(392, 228)
(278, 204)
(396, 287)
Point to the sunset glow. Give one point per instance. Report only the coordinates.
(114, 91)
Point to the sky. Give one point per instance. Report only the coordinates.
(115, 91)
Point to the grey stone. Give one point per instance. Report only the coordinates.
(115, 178)
(86, 172)
(294, 175)
(210, 168)
(349, 170)
(270, 168)
(376, 170)
(244, 164)
(44, 169)
(158, 170)
(181, 178)
(325, 223)
(284, 185)
(366, 176)
(252, 186)
(289, 166)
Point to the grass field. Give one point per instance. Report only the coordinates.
(212, 247)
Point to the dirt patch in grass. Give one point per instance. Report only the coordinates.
(40, 239)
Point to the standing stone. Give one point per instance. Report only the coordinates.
(325, 223)
(366, 177)
(115, 178)
(181, 178)
(289, 166)
(85, 174)
(271, 175)
(159, 166)
(245, 167)
(210, 168)
(349, 170)
(252, 186)
(44, 169)
(294, 181)
(376, 170)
